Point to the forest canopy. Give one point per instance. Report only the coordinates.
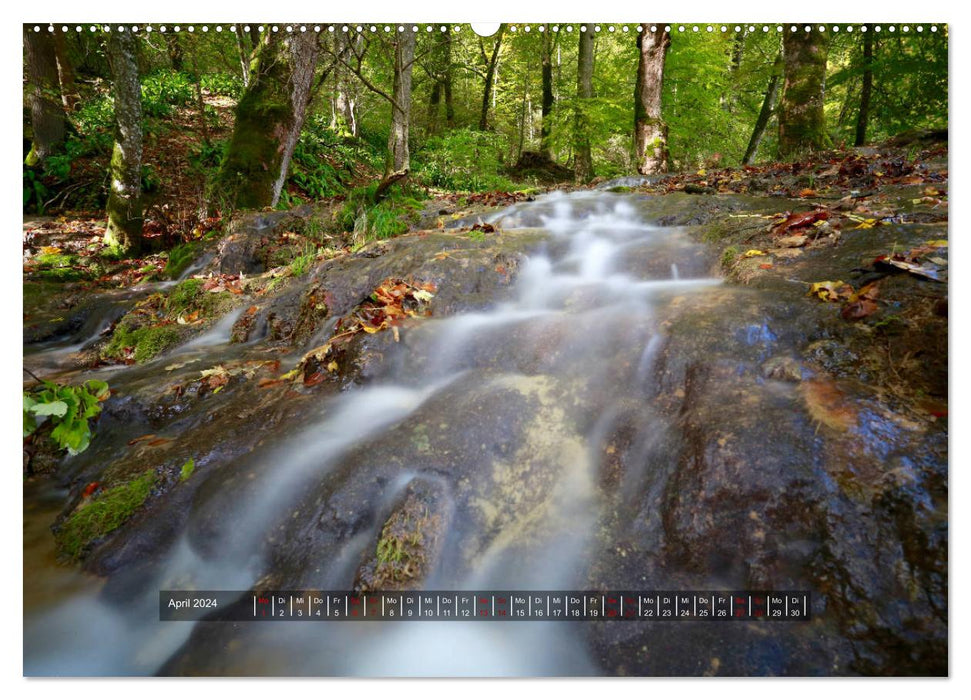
(277, 115)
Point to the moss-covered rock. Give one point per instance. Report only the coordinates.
(103, 513)
(140, 344)
(180, 258)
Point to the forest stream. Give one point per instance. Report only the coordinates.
(577, 399)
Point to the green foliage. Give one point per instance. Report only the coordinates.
(150, 179)
(68, 408)
(95, 115)
(227, 84)
(388, 218)
(324, 161)
(463, 160)
(35, 192)
(103, 513)
(187, 469)
(165, 89)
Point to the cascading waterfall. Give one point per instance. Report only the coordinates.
(598, 288)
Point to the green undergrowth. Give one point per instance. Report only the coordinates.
(370, 220)
(104, 513)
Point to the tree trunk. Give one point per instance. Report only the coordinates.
(174, 48)
(447, 84)
(867, 87)
(650, 131)
(765, 114)
(243, 56)
(802, 125)
(47, 118)
(345, 95)
(490, 79)
(583, 160)
(269, 117)
(399, 159)
(200, 103)
(65, 74)
(125, 198)
(434, 99)
(523, 112)
(441, 72)
(548, 99)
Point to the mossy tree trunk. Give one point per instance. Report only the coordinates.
(47, 119)
(583, 159)
(399, 158)
(548, 96)
(125, 196)
(802, 127)
(269, 116)
(650, 130)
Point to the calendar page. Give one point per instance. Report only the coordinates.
(522, 349)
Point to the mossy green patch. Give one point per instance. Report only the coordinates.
(187, 469)
(184, 296)
(103, 514)
(147, 341)
(180, 258)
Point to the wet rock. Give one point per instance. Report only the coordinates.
(409, 542)
(782, 368)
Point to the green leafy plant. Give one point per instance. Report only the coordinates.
(166, 89)
(68, 408)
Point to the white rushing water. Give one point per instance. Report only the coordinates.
(595, 287)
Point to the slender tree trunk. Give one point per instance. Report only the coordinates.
(65, 74)
(399, 158)
(200, 103)
(243, 56)
(434, 99)
(802, 125)
(447, 82)
(125, 197)
(47, 119)
(442, 85)
(650, 131)
(738, 48)
(522, 116)
(269, 117)
(345, 94)
(490, 79)
(867, 87)
(583, 160)
(728, 102)
(765, 114)
(176, 54)
(548, 100)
